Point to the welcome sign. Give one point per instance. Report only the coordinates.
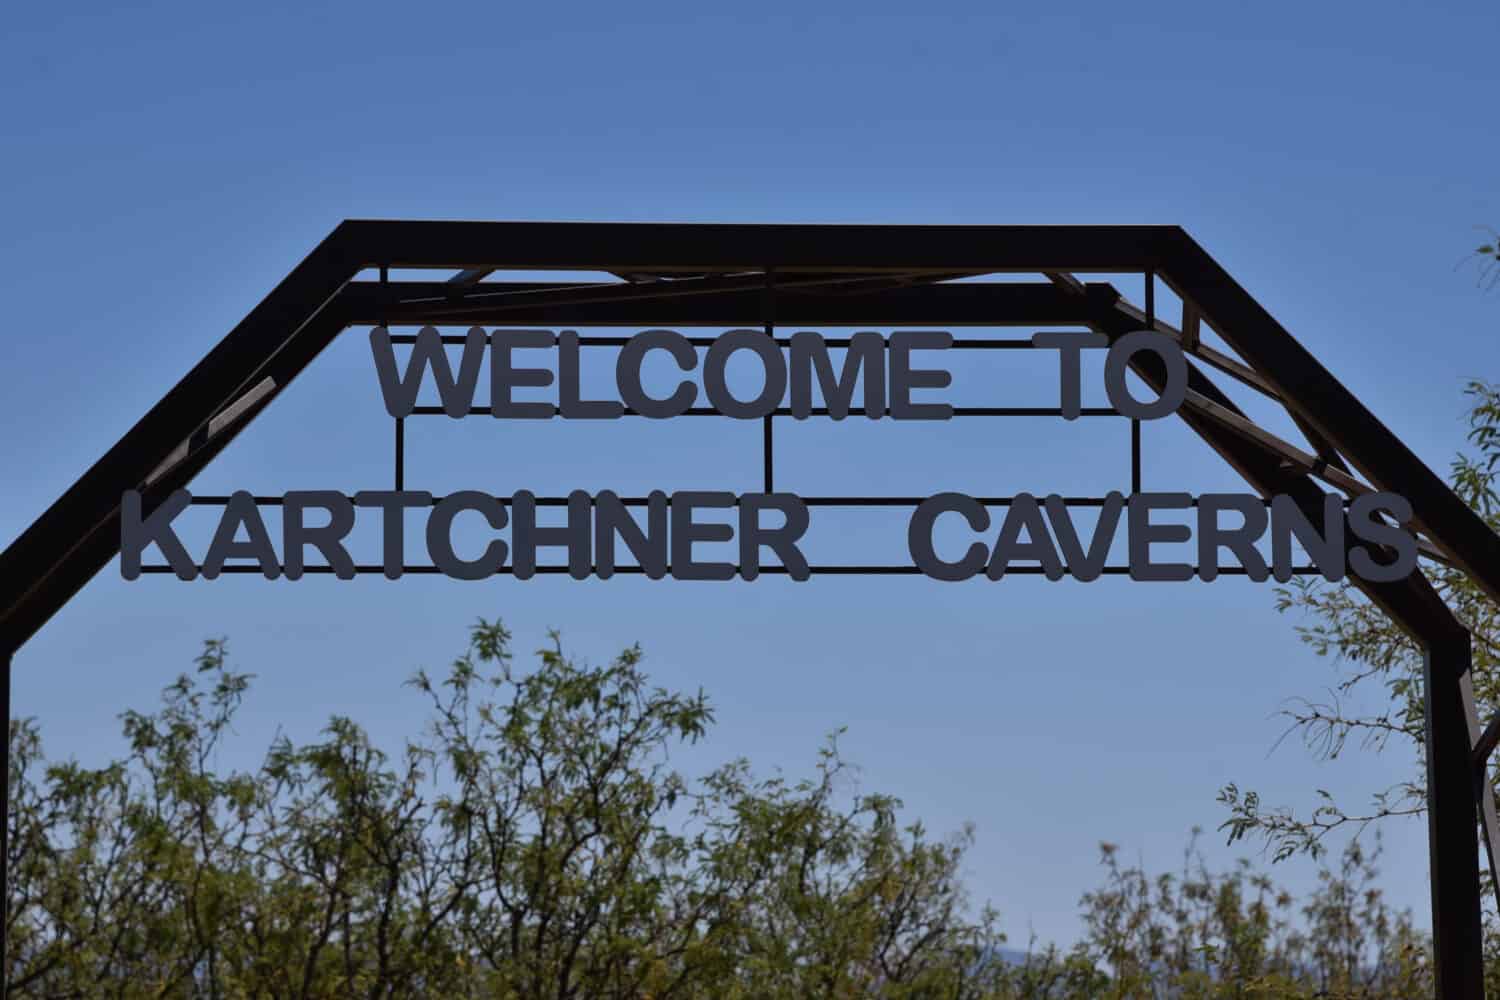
(496, 288)
(896, 377)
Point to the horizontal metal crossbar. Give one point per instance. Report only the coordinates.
(830, 501)
(833, 570)
(958, 344)
(822, 411)
(941, 306)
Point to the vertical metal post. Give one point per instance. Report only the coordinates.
(385, 280)
(767, 461)
(400, 454)
(1135, 423)
(770, 465)
(5, 660)
(1452, 822)
(1135, 457)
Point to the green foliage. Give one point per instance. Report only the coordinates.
(1199, 934)
(533, 842)
(530, 842)
(1370, 650)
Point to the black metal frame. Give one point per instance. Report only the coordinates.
(724, 275)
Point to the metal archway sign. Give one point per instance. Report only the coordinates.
(1386, 511)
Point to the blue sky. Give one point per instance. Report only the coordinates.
(166, 166)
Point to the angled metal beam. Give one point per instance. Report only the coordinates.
(78, 553)
(1325, 448)
(499, 298)
(1288, 452)
(1236, 370)
(1485, 742)
(1336, 413)
(1284, 449)
(220, 423)
(1483, 790)
(227, 372)
(1066, 281)
(1453, 802)
(1412, 602)
(1191, 341)
(471, 276)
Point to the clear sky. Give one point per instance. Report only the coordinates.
(164, 166)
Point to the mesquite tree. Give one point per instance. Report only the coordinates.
(1370, 651)
(530, 842)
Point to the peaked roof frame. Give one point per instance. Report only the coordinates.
(710, 275)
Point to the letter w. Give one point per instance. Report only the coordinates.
(400, 393)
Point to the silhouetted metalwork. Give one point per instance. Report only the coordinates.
(838, 276)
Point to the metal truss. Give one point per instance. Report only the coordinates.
(693, 275)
